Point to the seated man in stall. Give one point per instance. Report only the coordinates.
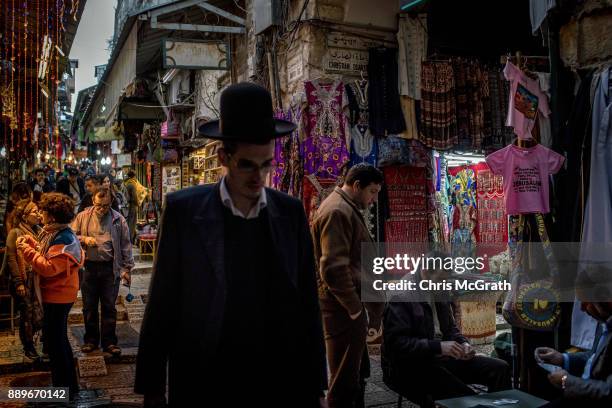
(585, 378)
(424, 355)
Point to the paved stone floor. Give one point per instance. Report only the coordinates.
(116, 385)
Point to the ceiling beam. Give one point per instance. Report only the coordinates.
(173, 7)
(195, 27)
(213, 9)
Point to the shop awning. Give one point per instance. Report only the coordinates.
(103, 134)
(139, 110)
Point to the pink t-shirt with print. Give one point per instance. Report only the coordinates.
(526, 172)
(526, 98)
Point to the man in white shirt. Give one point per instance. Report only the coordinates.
(234, 290)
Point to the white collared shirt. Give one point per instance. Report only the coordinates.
(227, 201)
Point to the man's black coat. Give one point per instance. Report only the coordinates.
(184, 315)
(63, 186)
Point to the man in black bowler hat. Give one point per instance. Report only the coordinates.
(233, 313)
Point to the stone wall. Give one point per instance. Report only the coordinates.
(306, 54)
(586, 41)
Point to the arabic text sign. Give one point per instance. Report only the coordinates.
(340, 40)
(345, 61)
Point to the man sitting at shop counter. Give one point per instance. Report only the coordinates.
(424, 355)
(585, 377)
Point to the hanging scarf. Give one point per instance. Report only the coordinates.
(28, 230)
(47, 235)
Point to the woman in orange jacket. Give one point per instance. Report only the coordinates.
(56, 258)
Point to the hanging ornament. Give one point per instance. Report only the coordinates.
(7, 95)
(25, 113)
(75, 9)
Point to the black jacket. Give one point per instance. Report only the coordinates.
(63, 186)
(184, 315)
(408, 334)
(47, 187)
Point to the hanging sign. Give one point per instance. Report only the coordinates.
(124, 160)
(347, 62)
(295, 67)
(196, 54)
(348, 54)
(351, 42)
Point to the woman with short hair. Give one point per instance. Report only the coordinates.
(56, 259)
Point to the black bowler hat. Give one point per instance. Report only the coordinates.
(246, 116)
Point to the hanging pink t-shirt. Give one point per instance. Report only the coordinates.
(526, 172)
(526, 98)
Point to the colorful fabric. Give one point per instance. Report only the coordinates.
(325, 129)
(526, 173)
(315, 190)
(492, 217)
(463, 212)
(364, 148)
(408, 220)
(393, 150)
(526, 99)
(412, 41)
(442, 203)
(438, 107)
(463, 186)
(496, 133)
(288, 157)
(470, 91)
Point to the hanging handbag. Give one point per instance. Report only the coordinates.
(533, 304)
(171, 129)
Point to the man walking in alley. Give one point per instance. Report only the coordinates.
(72, 186)
(339, 230)
(92, 185)
(108, 259)
(233, 292)
(40, 183)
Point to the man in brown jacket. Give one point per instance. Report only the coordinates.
(338, 231)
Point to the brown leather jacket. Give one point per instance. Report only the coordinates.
(338, 231)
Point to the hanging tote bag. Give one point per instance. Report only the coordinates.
(171, 129)
(533, 303)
